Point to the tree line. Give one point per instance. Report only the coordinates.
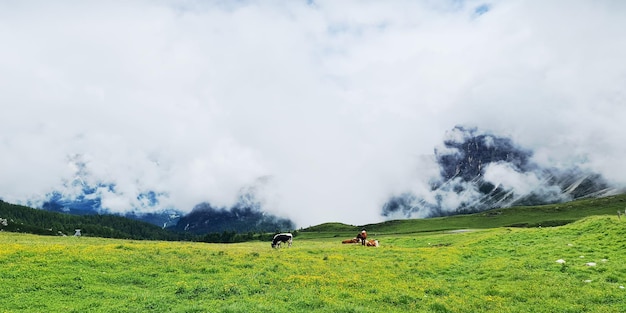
(29, 220)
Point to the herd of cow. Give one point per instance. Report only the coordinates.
(360, 238)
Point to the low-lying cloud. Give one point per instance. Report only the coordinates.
(168, 104)
(479, 170)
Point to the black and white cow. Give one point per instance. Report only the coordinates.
(282, 238)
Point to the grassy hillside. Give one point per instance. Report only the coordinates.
(28, 220)
(527, 216)
(490, 270)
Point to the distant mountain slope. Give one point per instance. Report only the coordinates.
(246, 215)
(480, 171)
(89, 203)
(518, 216)
(206, 219)
(28, 220)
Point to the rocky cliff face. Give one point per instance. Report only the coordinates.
(479, 171)
(466, 153)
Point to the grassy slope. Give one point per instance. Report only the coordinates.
(490, 270)
(36, 221)
(544, 215)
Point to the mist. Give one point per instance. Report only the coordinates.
(329, 108)
(480, 170)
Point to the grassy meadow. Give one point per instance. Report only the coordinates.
(521, 216)
(484, 270)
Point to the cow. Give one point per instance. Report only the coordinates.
(362, 235)
(353, 240)
(282, 238)
(372, 243)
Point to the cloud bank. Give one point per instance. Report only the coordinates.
(479, 170)
(336, 105)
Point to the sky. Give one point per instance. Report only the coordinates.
(327, 108)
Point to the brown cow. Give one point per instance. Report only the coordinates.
(362, 235)
(353, 240)
(372, 243)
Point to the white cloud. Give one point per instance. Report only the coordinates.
(506, 176)
(335, 101)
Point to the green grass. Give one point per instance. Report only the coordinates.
(487, 270)
(527, 216)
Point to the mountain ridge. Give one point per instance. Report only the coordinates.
(479, 170)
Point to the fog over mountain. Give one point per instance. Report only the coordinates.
(334, 107)
(246, 215)
(480, 171)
